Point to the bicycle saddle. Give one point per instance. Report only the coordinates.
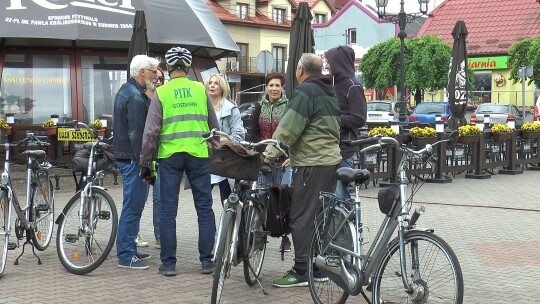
(35, 153)
(359, 176)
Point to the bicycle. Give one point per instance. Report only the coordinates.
(88, 224)
(417, 266)
(241, 236)
(35, 219)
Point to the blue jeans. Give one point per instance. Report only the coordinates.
(135, 193)
(341, 191)
(156, 207)
(171, 170)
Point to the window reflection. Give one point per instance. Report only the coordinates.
(101, 78)
(35, 86)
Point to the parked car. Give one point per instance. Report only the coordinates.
(426, 112)
(381, 112)
(497, 113)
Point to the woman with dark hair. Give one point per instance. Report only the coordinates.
(264, 121)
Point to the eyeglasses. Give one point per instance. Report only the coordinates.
(161, 79)
(153, 71)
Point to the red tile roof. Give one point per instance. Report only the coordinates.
(260, 20)
(493, 26)
(312, 4)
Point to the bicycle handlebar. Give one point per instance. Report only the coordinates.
(32, 139)
(247, 144)
(390, 141)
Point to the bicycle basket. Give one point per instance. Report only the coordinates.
(270, 179)
(79, 163)
(232, 160)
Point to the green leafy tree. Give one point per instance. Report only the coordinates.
(522, 53)
(427, 61)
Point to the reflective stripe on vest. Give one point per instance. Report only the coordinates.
(185, 118)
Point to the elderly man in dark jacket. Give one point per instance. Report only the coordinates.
(352, 104)
(130, 109)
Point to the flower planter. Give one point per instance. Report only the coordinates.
(51, 131)
(422, 141)
(468, 139)
(6, 131)
(501, 136)
(530, 134)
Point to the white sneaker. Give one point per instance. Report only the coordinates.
(140, 242)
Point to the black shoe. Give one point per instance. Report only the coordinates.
(207, 267)
(143, 256)
(167, 270)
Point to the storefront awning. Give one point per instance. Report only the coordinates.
(108, 25)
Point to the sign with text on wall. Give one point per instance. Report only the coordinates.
(68, 134)
(488, 63)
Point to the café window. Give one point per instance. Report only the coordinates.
(101, 78)
(34, 87)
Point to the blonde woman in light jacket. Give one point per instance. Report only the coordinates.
(230, 121)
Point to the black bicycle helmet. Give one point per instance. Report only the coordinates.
(178, 57)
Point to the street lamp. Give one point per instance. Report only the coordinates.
(401, 19)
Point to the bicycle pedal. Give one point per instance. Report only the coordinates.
(71, 238)
(42, 208)
(104, 215)
(11, 246)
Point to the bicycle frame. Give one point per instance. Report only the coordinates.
(22, 212)
(235, 205)
(375, 253)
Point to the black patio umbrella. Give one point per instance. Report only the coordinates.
(139, 39)
(457, 77)
(301, 41)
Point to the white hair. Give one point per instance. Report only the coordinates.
(141, 62)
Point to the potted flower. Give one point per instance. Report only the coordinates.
(501, 132)
(422, 136)
(383, 131)
(5, 127)
(50, 127)
(98, 126)
(530, 130)
(469, 134)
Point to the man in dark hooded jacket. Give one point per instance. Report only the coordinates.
(310, 127)
(352, 104)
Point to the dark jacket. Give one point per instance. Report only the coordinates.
(352, 101)
(130, 109)
(310, 125)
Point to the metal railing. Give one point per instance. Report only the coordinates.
(249, 65)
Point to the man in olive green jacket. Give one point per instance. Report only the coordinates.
(310, 127)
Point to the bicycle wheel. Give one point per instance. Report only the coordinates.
(436, 279)
(222, 257)
(4, 227)
(323, 290)
(42, 213)
(256, 248)
(83, 246)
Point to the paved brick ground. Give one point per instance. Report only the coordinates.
(492, 225)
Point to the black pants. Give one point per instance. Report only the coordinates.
(305, 206)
